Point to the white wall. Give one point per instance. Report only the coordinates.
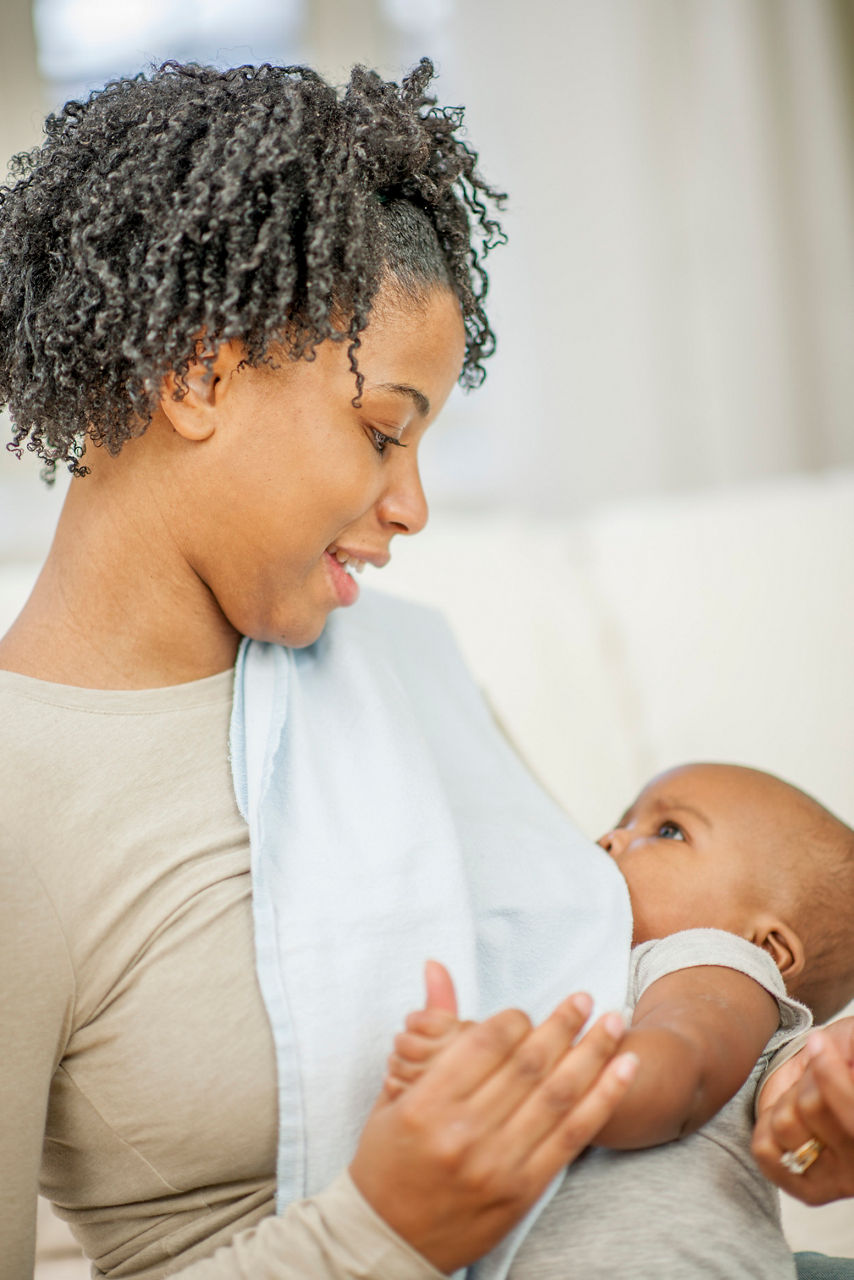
(677, 301)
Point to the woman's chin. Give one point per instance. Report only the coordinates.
(293, 632)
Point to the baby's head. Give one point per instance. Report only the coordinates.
(724, 847)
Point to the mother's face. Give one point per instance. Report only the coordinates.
(282, 477)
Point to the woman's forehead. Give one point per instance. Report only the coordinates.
(404, 348)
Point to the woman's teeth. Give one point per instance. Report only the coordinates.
(344, 559)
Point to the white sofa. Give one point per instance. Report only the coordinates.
(713, 626)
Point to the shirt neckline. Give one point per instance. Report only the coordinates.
(193, 693)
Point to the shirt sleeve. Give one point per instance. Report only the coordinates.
(696, 947)
(36, 1006)
(335, 1235)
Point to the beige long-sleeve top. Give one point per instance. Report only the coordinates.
(137, 1071)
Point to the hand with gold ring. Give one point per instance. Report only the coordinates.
(804, 1136)
(799, 1161)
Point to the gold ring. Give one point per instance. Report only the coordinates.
(806, 1154)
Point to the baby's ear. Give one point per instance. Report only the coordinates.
(783, 945)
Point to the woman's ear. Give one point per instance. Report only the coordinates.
(194, 415)
(783, 945)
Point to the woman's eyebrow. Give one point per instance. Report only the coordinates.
(418, 398)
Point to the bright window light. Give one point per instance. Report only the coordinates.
(83, 43)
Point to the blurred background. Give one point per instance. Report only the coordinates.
(676, 303)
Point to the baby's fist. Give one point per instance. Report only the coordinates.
(428, 1032)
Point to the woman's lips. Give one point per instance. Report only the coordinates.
(346, 589)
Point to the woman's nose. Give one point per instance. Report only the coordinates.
(404, 504)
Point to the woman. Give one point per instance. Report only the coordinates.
(254, 297)
(232, 303)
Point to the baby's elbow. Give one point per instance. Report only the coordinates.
(705, 1100)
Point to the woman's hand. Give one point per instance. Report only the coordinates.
(819, 1104)
(457, 1159)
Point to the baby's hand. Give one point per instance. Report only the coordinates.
(428, 1032)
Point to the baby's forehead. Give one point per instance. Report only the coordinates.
(717, 794)
(688, 784)
(755, 812)
(717, 784)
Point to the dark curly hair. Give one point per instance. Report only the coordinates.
(257, 203)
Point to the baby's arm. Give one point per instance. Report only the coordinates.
(696, 1033)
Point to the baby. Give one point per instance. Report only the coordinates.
(742, 892)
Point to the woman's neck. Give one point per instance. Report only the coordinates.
(116, 605)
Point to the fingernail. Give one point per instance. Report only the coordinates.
(816, 1042)
(614, 1024)
(625, 1066)
(582, 1003)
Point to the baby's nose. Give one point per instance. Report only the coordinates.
(614, 841)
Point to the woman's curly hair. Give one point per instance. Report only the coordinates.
(256, 203)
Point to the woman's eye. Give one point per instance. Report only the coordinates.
(671, 831)
(381, 440)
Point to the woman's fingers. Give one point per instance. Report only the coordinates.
(478, 1052)
(819, 1105)
(565, 1091)
(506, 1047)
(829, 1177)
(833, 1075)
(577, 1128)
(806, 1110)
(522, 1073)
(450, 1167)
(784, 1126)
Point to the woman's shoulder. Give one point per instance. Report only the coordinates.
(89, 776)
(114, 807)
(57, 738)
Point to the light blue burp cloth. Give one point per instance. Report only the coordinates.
(390, 822)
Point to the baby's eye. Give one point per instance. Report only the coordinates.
(671, 831)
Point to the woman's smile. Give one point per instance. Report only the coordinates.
(343, 564)
(346, 588)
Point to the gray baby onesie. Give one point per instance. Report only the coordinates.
(697, 1207)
